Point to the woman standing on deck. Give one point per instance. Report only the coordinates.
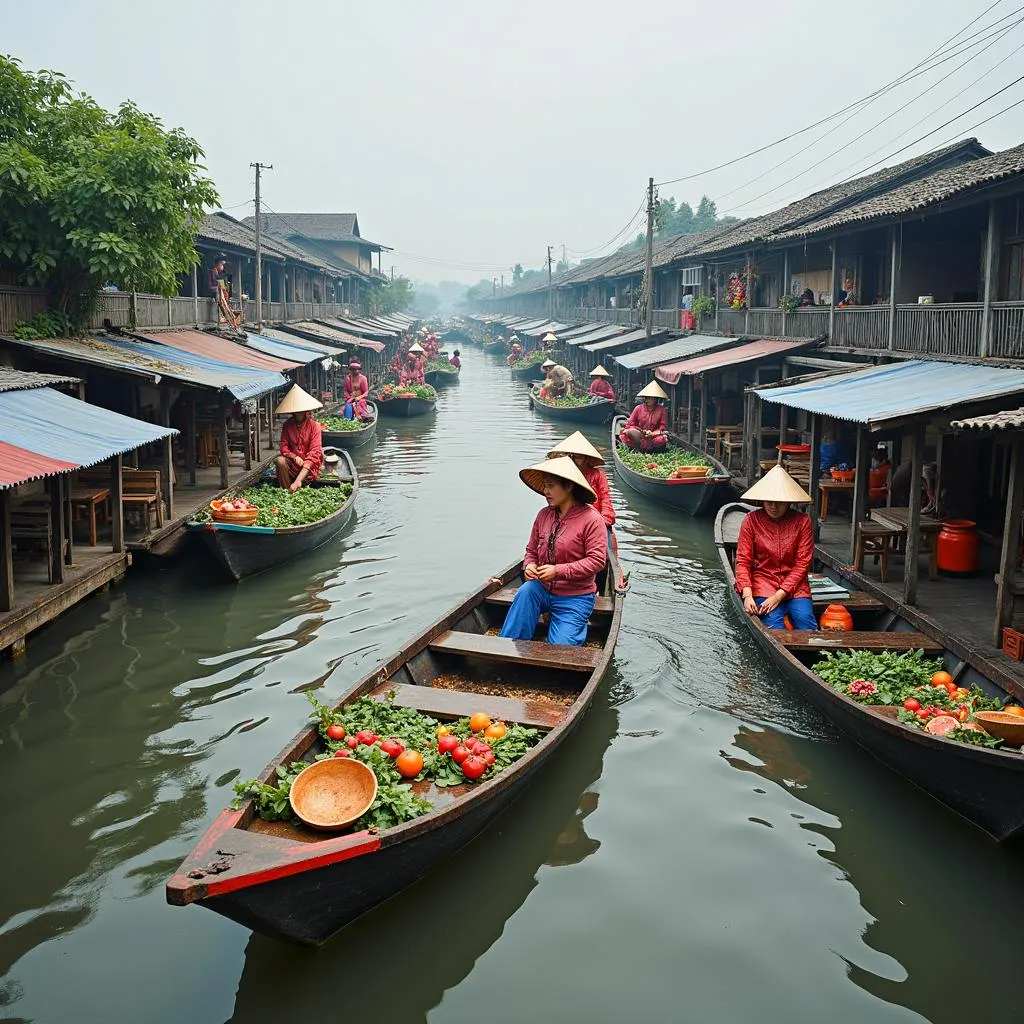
(646, 428)
(301, 454)
(565, 552)
(774, 553)
(600, 386)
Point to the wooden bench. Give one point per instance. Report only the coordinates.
(731, 447)
(858, 601)
(31, 523)
(521, 652)
(855, 640)
(452, 704)
(505, 597)
(141, 490)
(876, 541)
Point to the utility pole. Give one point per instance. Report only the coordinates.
(494, 287)
(551, 307)
(259, 249)
(392, 271)
(648, 259)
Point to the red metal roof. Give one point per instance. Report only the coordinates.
(724, 358)
(202, 343)
(19, 464)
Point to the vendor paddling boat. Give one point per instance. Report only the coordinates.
(983, 784)
(352, 439)
(698, 490)
(392, 400)
(289, 881)
(593, 410)
(244, 548)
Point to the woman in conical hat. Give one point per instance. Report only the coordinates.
(413, 371)
(301, 455)
(774, 553)
(647, 429)
(599, 385)
(565, 552)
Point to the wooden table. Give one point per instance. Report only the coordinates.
(825, 488)
(898, 518)
(90, 498)
(716, 435)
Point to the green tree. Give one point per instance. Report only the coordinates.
(87, 195)
(391, 296)
(517, 273)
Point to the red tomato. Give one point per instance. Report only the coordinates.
(409, 764)
(342, 753)
(352, 743)
(488, 757)
(367, 737)
(335, 731)
(446, 744)
(911, 704)
(473, 767)
(923, 715)
(393, 748)
(460, 753)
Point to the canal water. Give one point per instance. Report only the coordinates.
(704, 848)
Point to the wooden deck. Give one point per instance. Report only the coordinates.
(38, 603)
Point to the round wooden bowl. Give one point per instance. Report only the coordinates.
(246, 517)
(333, 793)
(1009, 728)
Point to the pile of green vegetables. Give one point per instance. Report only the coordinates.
(568, 402)
(441, 365)
(660, 464)
(279, 507)
(390, 391)
(379, 733)
(918, 686)
(531, 360)
(337, 423)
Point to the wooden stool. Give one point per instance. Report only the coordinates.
(875, 540)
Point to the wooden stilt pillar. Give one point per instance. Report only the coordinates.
(859, 499)
(914, 520)
(116, 506)
(815, 469)
(190, 441)
(702, 436)
(689, 408)
(1011, 541)
(222, 408)
(247, 430)
(133, 457)
(6, 553)
(57, 484)
(168, 452)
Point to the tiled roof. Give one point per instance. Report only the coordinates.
(1011, 419)
(22, 380)
(320, 227)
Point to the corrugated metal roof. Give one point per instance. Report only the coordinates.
(359, 327)
(620, 341)
(220, 350)
(284, 350)
(59, 431)
(580, 329)
(599, 333)
(1012, 419)
(549, 325)
(680, 348)
(766, 348)
(336, 335)
(297, 341)
(23, 380)
(883, 393)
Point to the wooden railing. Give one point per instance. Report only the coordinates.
(19, 304)
(153, 311)
(1007, 330)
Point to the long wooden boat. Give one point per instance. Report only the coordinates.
(697, 495)
(404, 408)
(983, 785)
(442, 378)
(244, 551)
(495, 348)
(352, 439)
(530, 372)
(599, 410)
(294, 884)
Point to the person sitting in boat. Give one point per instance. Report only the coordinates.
(456, 361)
(301, 454)
(546, 367)
(774, 553)
(356, 389)
(412, 372)
(516, 354)
(565, 552)
(558, 382)
(599, 386)
(647, 429)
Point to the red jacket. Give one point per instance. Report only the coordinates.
(774, 555)
(599, 483)
(643, 418)
(361, 387)
(580, 548)
(602, 388)
(303, 439)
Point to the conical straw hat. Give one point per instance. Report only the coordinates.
(416, 347)
(297, 400)
(547, 363)
(777, 485)
(599, 371)
(576, 444)
(549, 337)
(564, 468)
(653, 390)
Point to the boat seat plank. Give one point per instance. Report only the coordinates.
(855, 640)
(505, 597)
(453, 704)
(858, 601)
(521, 652)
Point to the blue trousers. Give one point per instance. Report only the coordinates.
(349, 412)
(799, 609)
(569, 615)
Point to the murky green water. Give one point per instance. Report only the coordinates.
(705, 847)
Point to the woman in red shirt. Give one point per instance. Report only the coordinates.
(301, 454)
(600, 386)
(646, 428)
(356, 389)
(774, 553)
(565, 552)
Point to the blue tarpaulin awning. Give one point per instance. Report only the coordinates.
(880, 394)
(283, 350)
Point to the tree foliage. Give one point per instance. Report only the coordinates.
(88, 195)
(391, 296)
(671, 219)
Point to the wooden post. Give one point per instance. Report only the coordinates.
(259, 427)
(6, 553)
(812, 486)
(190, 441)
(753, 437)
(914, 521)
(893, 271)
(168, 467)
(989, 282)
(134, 454)
(57, 525)
(69, 517)
(195, 295)
(116, 506)
(785, 287)
(750, 298)
(832, 293)
(783, 422)
(702, 436)
(222, 409)
(689, 408)
(246, 429)
(759, 424)
(1011, 535)
(859, 500)
(717, 296)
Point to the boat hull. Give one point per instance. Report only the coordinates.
(598, 412)
(405, 408)
(532, 372)
(494, 348)
(697, 497)
(438, 379)
(351, 439)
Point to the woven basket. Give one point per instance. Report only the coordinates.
(244, 518)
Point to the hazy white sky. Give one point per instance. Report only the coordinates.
(469, 136)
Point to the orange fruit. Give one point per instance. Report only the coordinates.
(479, 721)
(1014, 709)
(495, 731)
(941, 679)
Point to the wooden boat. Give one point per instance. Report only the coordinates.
(697, 495)
(599, 410)
(246, 550)
(530, 372)
(404, 408)
(442, 378)
(294, 884)
(985, 786)
(352, 439)
(495, 348)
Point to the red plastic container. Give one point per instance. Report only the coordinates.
(836, 618)
(958, 546)
(1013, 643)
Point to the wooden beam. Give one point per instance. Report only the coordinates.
(893, 272)
(57, 526)
(815, 468)
(703, 412)
(6, 553)
(223, 415)
(246, 429)
(989, 281)
(1011, 542)
(859, 501)
(190, 440)
(116, 505)
(689, 408)
(832, 293)
(167, 471)
(914, 521)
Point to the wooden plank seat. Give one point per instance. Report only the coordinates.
(858, 601)
(875, 541)
(522, 652)
(32, 528)
(505, 597)
(452, 704)
(141, 488)
(855, 640)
